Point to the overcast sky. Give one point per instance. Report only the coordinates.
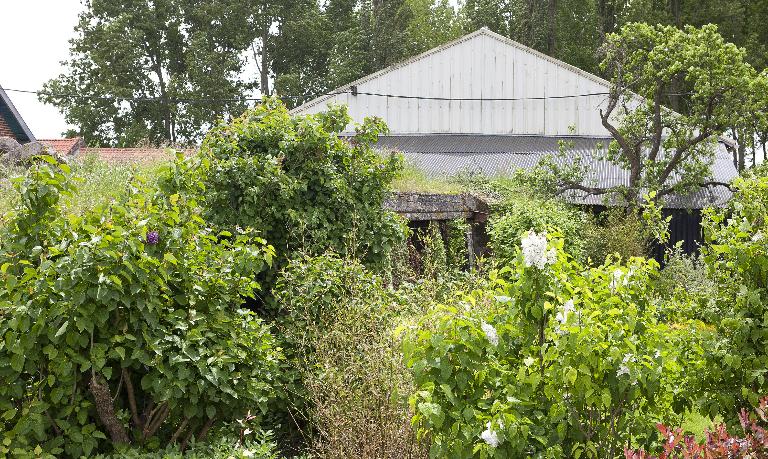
(35, 38)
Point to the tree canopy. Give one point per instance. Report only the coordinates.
(164, 71)
(663, 150)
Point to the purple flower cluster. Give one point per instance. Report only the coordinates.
(153, 237)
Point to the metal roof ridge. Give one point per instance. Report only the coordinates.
(484, 31)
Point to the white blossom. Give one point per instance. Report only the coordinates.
(562, 316)
(624, 368)
(248, 453)
(535, 252)
(757, 237)
(490, 333)
(620, 278)
(489, 436)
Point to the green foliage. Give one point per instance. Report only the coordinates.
(665, 151)
(350, 384)
(159, 53)
(97, 182)
(686, 279)
(123, 323)
(413, 179)
(553, 360)
(519, 212)
(617, 231)
(299, 183)
(434, 257)
(258, 445)
(736, 255)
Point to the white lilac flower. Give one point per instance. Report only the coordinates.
(489, 436)
(535, 252)
(490, 333)
(562, 316)
(624, 368)
(616, 278)
(757, 237)
(657, 354)
(248, 453)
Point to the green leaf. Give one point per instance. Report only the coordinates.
(62, 329)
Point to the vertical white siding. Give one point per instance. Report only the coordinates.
(481, 66)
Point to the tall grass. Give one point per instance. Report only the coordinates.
(96, 182)
(414, 180)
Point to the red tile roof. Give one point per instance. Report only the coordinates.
(64, 147)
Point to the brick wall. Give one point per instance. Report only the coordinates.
(5, 130)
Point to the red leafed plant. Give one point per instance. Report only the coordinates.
(719, 444)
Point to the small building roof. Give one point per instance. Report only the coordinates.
(493, 155)
(64, 147)
(13, 119)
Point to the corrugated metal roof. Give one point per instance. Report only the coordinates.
(494, 155)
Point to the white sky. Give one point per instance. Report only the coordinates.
(34, 38)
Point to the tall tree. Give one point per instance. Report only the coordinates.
(346, 39)
(135, 64)
(664, 151)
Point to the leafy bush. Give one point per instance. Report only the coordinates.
(518, 213)
(617, 231)
(686, 280)
(719, 443)
(222, 447)
(339, 322)
(97, 183)
(123, 323)
(736, 255)
(298, 182)
(555, 361)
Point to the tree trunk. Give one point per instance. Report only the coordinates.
(264, 69)
(742, 156)
(165, 107)
(530, 13)
(552, 32)
(607, 17)
(106, 410)
(675, 10)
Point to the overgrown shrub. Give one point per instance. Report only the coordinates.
(351, 383)
(617, 231)
(736, 254)
(257, 445)
(719, 444)
(122, 325)
(555, 360)
(300, 183)
(686, 290)
(518, 213)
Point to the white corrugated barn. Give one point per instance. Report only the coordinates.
(482, 65)
(484, 103)
(487, 104)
